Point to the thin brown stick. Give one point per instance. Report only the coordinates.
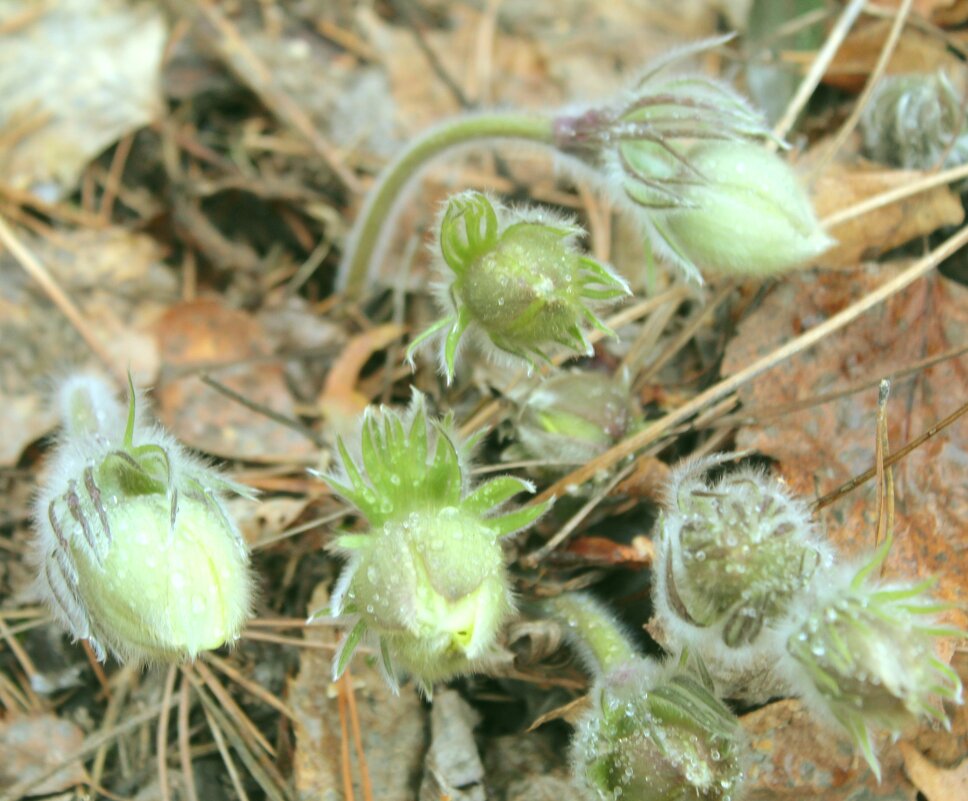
(855, 114)
(683, 337)
(293, 641)
(265, 411)
(533, 558)
(816, 72)
(116, 700)
(58, 297)
(867, 475)
(344, 741)
(113, 182)
(365, 782)
(98, 669)
(243, 723)
(252, 687)
(758, 414)
(184, 738)
(808, 339)
(875, 202)
(229, 763)
(161, 737)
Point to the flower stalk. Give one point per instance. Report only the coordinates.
(370, 230)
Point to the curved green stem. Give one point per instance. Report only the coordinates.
(594, 629)
(368, 232)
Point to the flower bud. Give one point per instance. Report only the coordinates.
(519, 281)
(749, 216)
(135, 550)
(915, 121)
(428, 580)
(656, 733)
(688, 152)
(732, 555)
(863, 654)
(573, 417)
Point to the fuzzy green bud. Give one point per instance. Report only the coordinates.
(657, 733)
(732, 556)
(863, 653)
(748, 215)
(427, 582)
(915, 121)
(136, 552)
(573, 417)
(519, 281)
(687, 154)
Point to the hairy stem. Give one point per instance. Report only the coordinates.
(593, 629)
(368, 230)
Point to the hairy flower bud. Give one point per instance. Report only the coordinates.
(135, 550)
(428, 580)
(732, 554)
(915, 121)
(657, 733)
(573, 417)
(747, 216)
(863, 653)
(688, 152)
(519, 281)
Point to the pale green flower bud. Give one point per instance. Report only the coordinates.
(688, 153)
(915, 121)
(135, 550)
(863, 653)
(519, 281)
(748, 216)
(732, 556)
(428, 581)
(573, 417)
(657, 733)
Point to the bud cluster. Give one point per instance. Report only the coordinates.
(519, 282)
(427, 581)
(135, 549)
(742, 579)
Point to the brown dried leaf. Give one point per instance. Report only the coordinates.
(866, 237)
(916, 51)
(204, 334)
(794, 757)
(820, 448)
(340, 401)
(31, 745)
(118, 282)
(936, 784)
(74, 78)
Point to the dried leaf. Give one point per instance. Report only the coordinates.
(205, 334)
(30, 745)
(794, 757)
(916, 51)
(116, 279)
(935, 783)
(75, 76)
(340, 401)
(866, 237)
